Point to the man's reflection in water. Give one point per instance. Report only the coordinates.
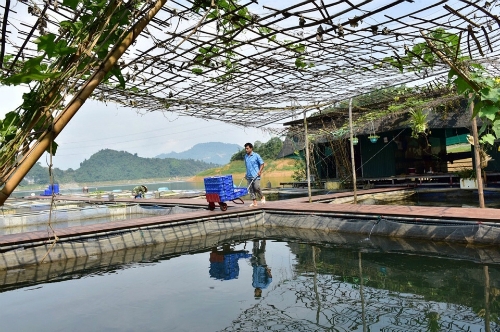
(262, 276)
(224, 264)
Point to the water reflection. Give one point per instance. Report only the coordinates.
(261, 276)
(345, 290)
(313, 287)
(224, 263)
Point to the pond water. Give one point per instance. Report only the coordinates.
(69, 223)
(172, 185)
(85, 214)
(456, 198)
(303, 287)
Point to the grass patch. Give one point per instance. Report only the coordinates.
(456, 148)
(238, 168)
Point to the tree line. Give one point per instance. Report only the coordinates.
(111, 165)
(268, 150)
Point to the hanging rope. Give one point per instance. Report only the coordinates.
(357, 169)
(52, 202)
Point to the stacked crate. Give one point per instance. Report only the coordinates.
(48, 192)
(221, 185)
(224, 266)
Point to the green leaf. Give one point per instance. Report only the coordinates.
(73, 27)
(490, 94)
(197, 71)
(462, 85)
(483, 128)
(31, 75)
(477, 108)
(488, 111)
(10, 119)
(71, 3)
(63, 49)
(117, 72)
(46, 43)
(451, 74)
(299, 63)
(488, 138)
(496, 128)
(54, 148)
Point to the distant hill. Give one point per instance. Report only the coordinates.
(111, 165)
(213, 152)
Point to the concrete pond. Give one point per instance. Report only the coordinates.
(288, 265)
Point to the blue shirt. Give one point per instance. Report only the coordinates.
(253, 163)
(260, 277)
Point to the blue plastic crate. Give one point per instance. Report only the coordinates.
(222, 185)
(48, 192)
(240, 191)
(55, 189)
(223, 179)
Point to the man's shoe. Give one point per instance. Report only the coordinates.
(263, 200)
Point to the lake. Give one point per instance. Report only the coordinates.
(172, 185)
(254, 285)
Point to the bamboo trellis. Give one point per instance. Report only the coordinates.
(315, 52)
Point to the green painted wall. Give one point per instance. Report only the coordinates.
(377, 158)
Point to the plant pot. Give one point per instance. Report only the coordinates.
(354, 140)
(468, 183)
(373, 139)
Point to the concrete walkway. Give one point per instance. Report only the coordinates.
(297, 205)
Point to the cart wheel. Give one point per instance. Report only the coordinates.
(211, 206)
(223, 206)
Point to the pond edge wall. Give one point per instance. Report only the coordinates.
(258, 223)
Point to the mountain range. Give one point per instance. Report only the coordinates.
(213, 152)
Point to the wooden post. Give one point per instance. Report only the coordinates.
(353, 164)
(308, 171)
(78, 100)
(315, 278)
(486, 299)
(363, 315)
(477, 161)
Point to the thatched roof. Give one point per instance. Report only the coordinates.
(334, 122)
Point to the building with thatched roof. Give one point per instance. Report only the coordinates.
(385, 147)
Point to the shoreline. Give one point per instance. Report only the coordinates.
(277, 169)
(76, 185)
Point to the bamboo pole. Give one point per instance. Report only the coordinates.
(77, 102)
(477, 158)
(353, 164)
(307, 158)
(474, 86)
(4, 31)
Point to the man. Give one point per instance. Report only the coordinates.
(139, 191)
(261, 277)
(254, 165)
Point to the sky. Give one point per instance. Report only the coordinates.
(98, 126)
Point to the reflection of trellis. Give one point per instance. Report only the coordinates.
(340, 308)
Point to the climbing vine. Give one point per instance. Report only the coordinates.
(71, 56)
(64, 61)
(470, 78)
